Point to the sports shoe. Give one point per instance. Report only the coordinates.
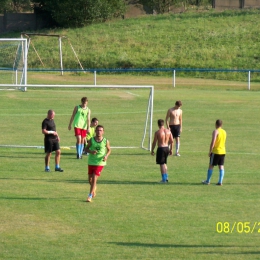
(177, 154)
(58, 170)
(205, 182)
(219, 184)
(47, 170)
(163, 182)
(89, 198)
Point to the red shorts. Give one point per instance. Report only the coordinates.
(96, 169)
(81, 132)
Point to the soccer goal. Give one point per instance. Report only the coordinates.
(13, 63)
(126, 111)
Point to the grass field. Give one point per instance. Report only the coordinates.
(45, 216)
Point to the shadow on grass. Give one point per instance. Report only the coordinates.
(135, 244)
(130, 182)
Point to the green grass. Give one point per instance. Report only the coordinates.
(204, 39)
(45, 216)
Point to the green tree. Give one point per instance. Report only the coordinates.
(15, 6)
(163, 6)
(71, 13)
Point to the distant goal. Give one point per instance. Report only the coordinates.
(13, 63)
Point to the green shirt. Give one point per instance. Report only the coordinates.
(91, 133)
(81, 118)
(100, 147)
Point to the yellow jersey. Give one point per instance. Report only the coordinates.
(219, 146)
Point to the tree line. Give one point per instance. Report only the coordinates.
(71, 13)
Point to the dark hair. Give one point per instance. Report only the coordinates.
(84, 100)
(160, 122)
(219, 123)
(94, 119)
(178, 103)
(100, 126)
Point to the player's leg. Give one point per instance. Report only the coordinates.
(221, 169)
(48, 151)
(57, 161)
(47, 162)
(212, 162)
(177, 145)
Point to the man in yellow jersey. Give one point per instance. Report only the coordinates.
(217, 152)
(99, 149)
(81, 122)
(174, 115)
(91, 132)
(163, 138)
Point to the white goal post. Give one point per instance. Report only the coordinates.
(13, 62)
(147, 133)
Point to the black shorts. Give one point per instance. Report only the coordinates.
(51, 145)
(162, 154)
(176, 130)
(217, 159)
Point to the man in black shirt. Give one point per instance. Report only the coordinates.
(51, 141)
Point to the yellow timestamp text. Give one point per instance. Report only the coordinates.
(240, 227)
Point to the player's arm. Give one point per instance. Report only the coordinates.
(213, 140)
(154, 143)
(72, 116)
(89, 121)
(166, 118)
(180, 119)
(171, 143)
(108, 151)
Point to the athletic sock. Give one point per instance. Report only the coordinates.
(164, 177)
(57, 166)
(210, 172)
(221, 175)
(81, 149)
(177, 147)
(78, 149)
(47, 167)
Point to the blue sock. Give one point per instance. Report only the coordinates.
(57, 166)
(209, 175)
(221, 175)
(81, 149)
(164, 177)
(47, 167)
(77, 147)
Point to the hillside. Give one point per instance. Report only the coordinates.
(208, 39)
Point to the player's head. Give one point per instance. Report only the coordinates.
(219, 123)
(94, 121)
(178, 103)
(99, 130)
(160, 122)
(84, 100)
(50, 114)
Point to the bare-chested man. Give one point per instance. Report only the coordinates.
(163, 138)
(175, 123)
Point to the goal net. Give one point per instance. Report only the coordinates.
(125, 111)
(13, 63)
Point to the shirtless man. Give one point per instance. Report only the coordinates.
(163, 138)
(175, 123)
